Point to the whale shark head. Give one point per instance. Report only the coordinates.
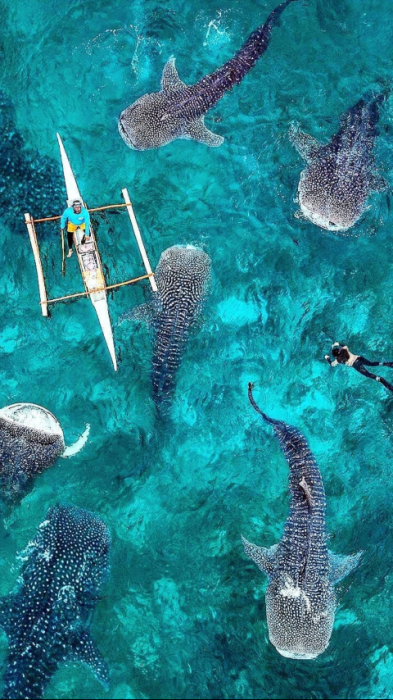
(147, 123)
(300, 621)
(31, 440)
(331, 200)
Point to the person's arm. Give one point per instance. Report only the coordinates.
(87, 222)
(63, 219)
(332, 363)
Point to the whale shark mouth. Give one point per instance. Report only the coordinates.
(321, 221)
(125, 135)
(33, 416)
(300, 656)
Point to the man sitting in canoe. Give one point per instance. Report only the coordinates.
(75, 217)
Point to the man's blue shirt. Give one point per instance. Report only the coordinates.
(76, 219)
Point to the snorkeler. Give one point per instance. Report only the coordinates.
(75, 217)
(343, 356)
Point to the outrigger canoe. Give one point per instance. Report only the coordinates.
(89, 259)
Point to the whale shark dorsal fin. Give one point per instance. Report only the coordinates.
(305, 144)
(85, 651)
(342, 565)
(170, 81)
(199, 132)
(263, 557)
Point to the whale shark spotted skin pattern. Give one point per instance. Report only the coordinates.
(182, 277)
(47, 618)
(178, 110)
(31, 440)
(339, 176)
(28, 181)
(302, 572)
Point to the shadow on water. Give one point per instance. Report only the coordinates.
(28, 182)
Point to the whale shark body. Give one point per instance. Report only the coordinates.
(302, 572)
(178, 110)
(31, 441)
(47, 618)
(334, 187)
(28, 181)
(182, 276)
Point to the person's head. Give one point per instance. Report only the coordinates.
(340, 353)
(77, 206)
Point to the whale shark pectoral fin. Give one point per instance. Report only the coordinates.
(305, 145)
(199, 132)
(170, 81)
(6, 613)
(85, 651)
(342, 565)
(378, 183)
(264, 558)
(143, 312)
(78, 445)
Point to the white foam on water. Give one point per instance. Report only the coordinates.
(32, 416)
(78, 445)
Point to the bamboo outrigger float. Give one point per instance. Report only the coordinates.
(88, 257)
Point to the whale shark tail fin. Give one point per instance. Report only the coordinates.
(265, 417)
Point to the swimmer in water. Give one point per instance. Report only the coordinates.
(343, 356)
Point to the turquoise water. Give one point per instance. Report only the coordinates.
(183, 614)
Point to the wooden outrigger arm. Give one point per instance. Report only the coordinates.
(138, 237)
(37, 259)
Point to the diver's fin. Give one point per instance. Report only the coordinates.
(170, 81)
(378, 183)
(78, 445)
(85, 651)
(342, 565)
(305, 145)
(143, 312)
(264, 558)
(199, 132)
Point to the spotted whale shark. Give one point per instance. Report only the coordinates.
(182, 276)
(47, 618)
(28, 181)
(177, 111)
(301, 571)
(31, 440)
(339, 177)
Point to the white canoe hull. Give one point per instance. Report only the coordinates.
(89, 260)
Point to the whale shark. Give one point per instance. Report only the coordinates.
(28, 181)
(31, 440)
(182, 276)
(47, 618)
(339, 177)
(301, 571)
(177, 111)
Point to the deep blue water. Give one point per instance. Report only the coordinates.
(184, 613)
